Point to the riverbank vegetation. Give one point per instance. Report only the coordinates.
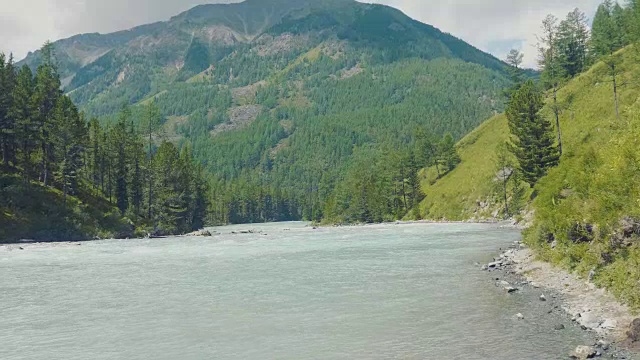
(63, 177)
(583, 214)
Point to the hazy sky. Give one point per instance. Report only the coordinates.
(491, 25)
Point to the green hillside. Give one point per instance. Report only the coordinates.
(585, 212)
(282, 99)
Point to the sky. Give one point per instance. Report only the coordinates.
(495, 26)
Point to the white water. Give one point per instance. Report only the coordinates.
(377, 292)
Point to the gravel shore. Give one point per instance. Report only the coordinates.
(568, 298)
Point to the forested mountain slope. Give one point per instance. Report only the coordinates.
(284, 101)
(585, 211)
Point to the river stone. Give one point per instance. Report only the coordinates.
(519, 316)
(589, 320)
(603, 344)
(633, 335)
(609, 324)
(583, 353)
(543, 298)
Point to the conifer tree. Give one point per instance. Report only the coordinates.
(572, 43)
(606, 39)
(47, 92)
(119, 140)
(551, 65)
(514, 60)
(448, 152)
(24, 115)
(532, 134)
(7, 119)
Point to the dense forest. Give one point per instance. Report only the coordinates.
(62, 174)
(314, 113)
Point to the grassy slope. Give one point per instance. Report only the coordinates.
(31, 211)
(596, 185)
(456, 195)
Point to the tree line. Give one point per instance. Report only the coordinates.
(45, 139)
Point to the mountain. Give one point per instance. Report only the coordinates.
(282, 100)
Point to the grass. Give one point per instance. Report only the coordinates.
(32, 211)
(456, 196)
(579, 205)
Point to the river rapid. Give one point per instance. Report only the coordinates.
(285, 291)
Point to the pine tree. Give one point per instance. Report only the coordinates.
(68, 142)
(151, 125)
(24, 114)
(551, 65)
(46, 95)
(119, 139)
(514, 60)
(532, 135)
(413, 183)
(572, 43)
(7, 119)
(448, 153)
(136, 172)
(606, 39)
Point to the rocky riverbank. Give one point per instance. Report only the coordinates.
(571, 301)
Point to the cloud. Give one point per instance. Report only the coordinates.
(495, 26)
(491, 25)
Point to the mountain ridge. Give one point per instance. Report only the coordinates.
(81, 50)
(280, 100)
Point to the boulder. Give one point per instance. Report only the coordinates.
(583, 353)
(603, 344)
(519, 316)
(204, 232)
(589, 320)
(609, 324)
(559, 327)
(543, 298)
(633, 335)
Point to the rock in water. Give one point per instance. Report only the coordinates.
(519, 316)
(559, 327)
(543, 298)
(584, 352)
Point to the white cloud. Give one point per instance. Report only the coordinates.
(491, 25)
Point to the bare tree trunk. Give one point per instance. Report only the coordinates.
(615, 90)
(506, 201)
(556, 111)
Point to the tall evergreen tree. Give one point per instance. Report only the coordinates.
(151, 125)
(550, 63)
(532, 135)
(606, 39)
(24, 113)
(7, 119)
(120, 139)
(47, 92)
(514, 60)
(573, 43)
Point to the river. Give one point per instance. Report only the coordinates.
(289, 292)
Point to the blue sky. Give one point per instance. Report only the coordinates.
(491, 25)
